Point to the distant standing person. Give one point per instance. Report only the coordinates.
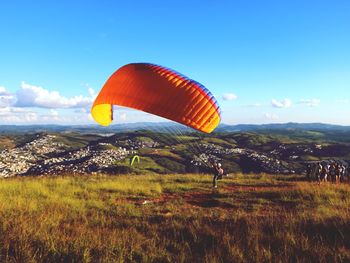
(332, 172)
(322, 177)
(344, 173)
(218, 173)
(308, 172)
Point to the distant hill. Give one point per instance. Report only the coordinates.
(282, 126)
(166, 127)
(128, 127)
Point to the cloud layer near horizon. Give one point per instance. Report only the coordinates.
(36, 96)
(32, 104)
(19, 107)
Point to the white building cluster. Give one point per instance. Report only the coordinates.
(44, 155)
(19, 160)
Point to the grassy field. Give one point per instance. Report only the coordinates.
(173, 218)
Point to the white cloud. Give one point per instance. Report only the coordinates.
(11, 110)
(123, 116)
(6, 101)
(54, 112)
(16, 115)
(229, 96)
(53, 116)
(92, 93)
(310, 102)
(3, 91)
(35, 96)
(12, 115)
(271, 116)
(6, 98)
(285, 103)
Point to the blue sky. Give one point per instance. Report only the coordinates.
(265, 61)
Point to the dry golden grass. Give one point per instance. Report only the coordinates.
(173, 218)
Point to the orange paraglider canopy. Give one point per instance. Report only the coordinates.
(160, 91)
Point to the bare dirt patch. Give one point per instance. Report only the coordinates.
(262, 199)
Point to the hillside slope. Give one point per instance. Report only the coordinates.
(270, 151)
(173, 218)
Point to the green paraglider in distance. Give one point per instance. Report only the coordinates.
(132, 160)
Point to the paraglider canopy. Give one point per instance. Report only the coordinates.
(133, 159)
(160, 91)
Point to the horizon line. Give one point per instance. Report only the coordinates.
(173, 123)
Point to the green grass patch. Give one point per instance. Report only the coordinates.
(146, 165)
(143, 139)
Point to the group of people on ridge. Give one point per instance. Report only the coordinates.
(334, 172)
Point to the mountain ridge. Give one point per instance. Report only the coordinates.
(164, 126)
